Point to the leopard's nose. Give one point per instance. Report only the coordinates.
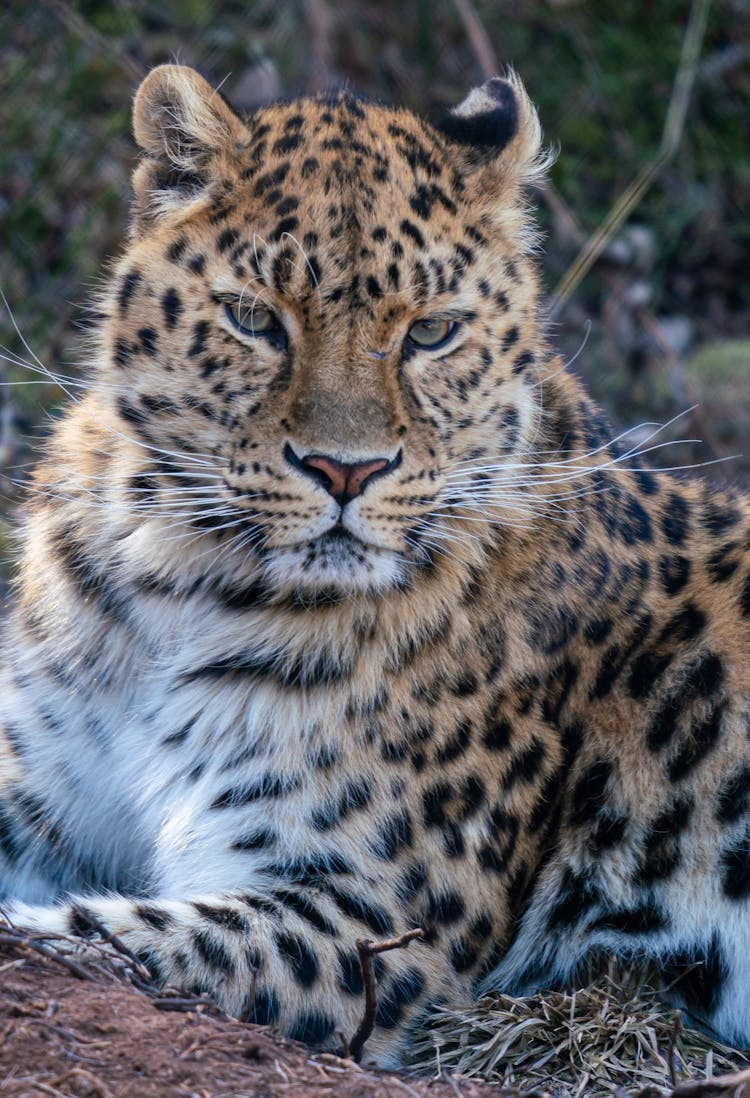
(343, 480)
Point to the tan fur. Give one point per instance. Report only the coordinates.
(500, 694)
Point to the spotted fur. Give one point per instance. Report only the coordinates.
(494, 684)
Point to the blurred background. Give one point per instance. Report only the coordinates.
(645, 217)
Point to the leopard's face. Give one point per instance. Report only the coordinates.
(326, 322)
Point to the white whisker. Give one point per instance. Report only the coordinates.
(305, 257)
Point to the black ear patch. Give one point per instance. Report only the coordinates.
(168, 177)
(486, 119)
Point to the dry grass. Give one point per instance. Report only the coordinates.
(616, 1032)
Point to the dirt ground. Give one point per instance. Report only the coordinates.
(102, 1038)
(94, 1035)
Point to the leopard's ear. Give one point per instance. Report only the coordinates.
(497, 126)
(187, 132)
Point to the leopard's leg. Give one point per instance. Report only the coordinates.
(693, 925)
(287, 956)
(48, 846)
(29, 865)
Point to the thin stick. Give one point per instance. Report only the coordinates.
(250, 1000)
(725, 1086)
(670, 142)
(37, 1084)
(478, 37)
(111, 939)
(486, 57)
(676, 1028)
(367, 950)
(93, 1082)
(347, 1052)
(318, 20)
(77, 23)
(184, 1006)
(9, 938)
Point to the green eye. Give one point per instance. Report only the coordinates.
(432, 333)
(253, 320)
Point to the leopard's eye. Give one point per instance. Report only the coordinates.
(432, 333)
(253, 319)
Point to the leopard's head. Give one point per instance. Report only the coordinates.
(323, 332)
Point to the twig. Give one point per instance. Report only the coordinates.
(346, 1053)
(92, 1081)
(20, 940)
(565, 223)
(183, 1006)
(446, 1078)
(676, 1028)
(111, 939)
(724, 1086)
(367, 950)
(478, 37)
(405, 1086)
(19, 1080)
(248, 1004)
(318, 20)
(670, 142)
(66, 1034)
(77, 23)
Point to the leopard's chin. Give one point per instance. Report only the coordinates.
(337, 564)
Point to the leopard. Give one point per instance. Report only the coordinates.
(343, 614)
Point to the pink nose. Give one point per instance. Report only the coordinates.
(343, 480)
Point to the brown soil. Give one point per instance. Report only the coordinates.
(102, 1038)
(98, 1036)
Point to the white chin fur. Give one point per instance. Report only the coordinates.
(351, 570)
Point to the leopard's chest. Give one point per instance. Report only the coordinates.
(237, 784)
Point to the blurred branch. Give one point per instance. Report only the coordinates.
(670, 141)
(478, 37)
(80, 26)
(566, 226)
(318, 20)
(723, 60)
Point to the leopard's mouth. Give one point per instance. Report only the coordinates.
(340, 539)
(338, 547)
(336, 541)
(338, 530)
(336, 559)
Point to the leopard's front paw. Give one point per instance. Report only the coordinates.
(70, 935)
